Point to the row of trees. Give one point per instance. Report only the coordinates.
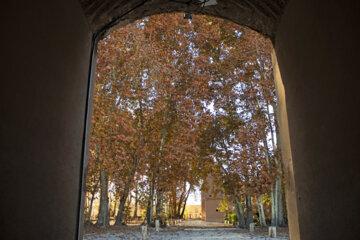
(177, 101)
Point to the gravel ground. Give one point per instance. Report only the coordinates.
(188, 232)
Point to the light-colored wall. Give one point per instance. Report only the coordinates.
(288, 167)
(210, 200)
(211, 214)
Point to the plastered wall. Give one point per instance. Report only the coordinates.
(44, 60)
(317, 50)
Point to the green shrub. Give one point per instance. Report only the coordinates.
(232, 218)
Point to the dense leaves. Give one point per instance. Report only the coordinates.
(179, 101)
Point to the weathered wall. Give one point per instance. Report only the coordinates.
(317, 45)
(287, 161)
(210, 200)
(45, 50)
(261, 15)
(210, 211)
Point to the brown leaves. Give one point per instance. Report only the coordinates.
(205, 83)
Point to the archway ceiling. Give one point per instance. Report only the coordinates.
(105, 15)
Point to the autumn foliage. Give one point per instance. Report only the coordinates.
(177, 101)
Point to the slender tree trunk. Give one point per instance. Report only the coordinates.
(115, 205)
(261, 211)
(159, 198)
(110, 202)
(150, 205)
(239, 213)
(103, 219)
(281, 206)
(119, 215)
(93, 192)
(249, 211)
(90, 209)
(273, 192)
(273, 208)
(280, 219)
(125, 195)
(280, 215)
(174, 208)
(136, 203)
(86, 205)
(159, 192)
(277, 192)
(181, 199)
(186, 198)
(272, 196)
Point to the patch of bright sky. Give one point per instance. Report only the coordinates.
(194, 197)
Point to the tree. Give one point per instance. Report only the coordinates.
(176, 101)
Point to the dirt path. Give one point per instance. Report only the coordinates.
(203, 224)
(188, 230)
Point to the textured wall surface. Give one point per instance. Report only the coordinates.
(211, 215)
(45, 50)
(261, 15)
(317, 45)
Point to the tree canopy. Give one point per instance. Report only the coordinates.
(177, 101)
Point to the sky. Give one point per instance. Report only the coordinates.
(194, 198)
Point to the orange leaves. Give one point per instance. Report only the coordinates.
(203, 83)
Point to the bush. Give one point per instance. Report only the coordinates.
(126, 214)
(232, 218)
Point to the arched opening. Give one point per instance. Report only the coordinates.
(235, 49)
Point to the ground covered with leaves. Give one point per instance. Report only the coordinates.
(179, 232)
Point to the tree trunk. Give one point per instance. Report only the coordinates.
(249, 211)
(119, 215)
(280, 203)
(151, 200)
(103, 219)
(239, 214)
(159, 192)
(158, 209)
(126, 193)
(181, 199)
(186, 198)
(86, 205)
(272, 196)
(261, 212)
(280, 219)
(93, 192)
(115, 205)
(90, 209)
(110, 202)
(173, 204)
(273, 208)
(136, 203)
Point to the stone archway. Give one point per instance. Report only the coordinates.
(262, 16)
(46, 47)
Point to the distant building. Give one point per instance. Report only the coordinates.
(193, 211)
(210, 204)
